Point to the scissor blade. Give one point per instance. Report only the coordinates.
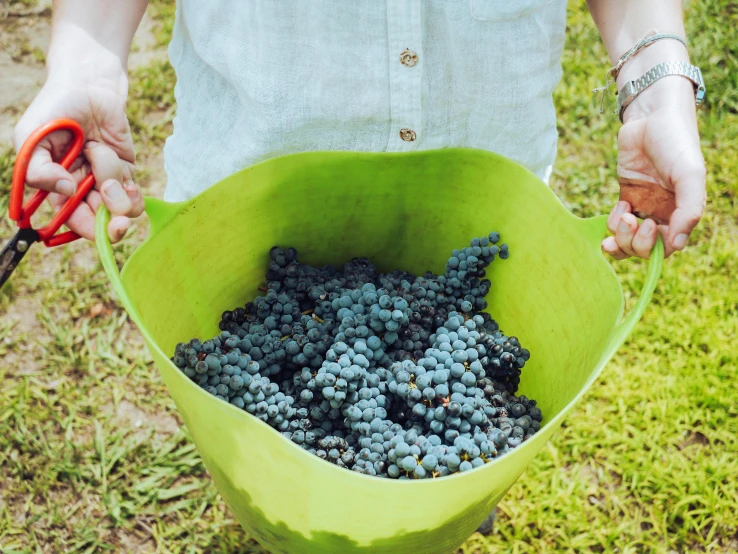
(14, 251)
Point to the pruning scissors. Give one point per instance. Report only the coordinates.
(14, 251)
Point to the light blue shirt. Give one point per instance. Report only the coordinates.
(262, 78)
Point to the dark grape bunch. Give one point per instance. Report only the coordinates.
(385, 374)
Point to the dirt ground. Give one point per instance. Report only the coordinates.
(24, 39)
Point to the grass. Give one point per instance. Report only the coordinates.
(94, 460)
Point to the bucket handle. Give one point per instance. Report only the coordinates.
(596, 230)
(160, 213)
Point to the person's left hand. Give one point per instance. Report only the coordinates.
(659, 143)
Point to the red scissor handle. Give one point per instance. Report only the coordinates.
(22, 213)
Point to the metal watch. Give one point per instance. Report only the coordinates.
(632, 89)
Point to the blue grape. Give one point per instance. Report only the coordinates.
(405, 362)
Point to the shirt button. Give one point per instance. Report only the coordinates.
(408, 58)
(408, 135)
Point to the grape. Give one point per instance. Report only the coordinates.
(452, 462)
(409, 463)
(387, 374)
(430, 462)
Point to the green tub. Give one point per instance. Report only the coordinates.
(557, 293)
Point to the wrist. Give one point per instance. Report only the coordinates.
(91, 27)
(666, 50)
(673, 91)
(74, 56)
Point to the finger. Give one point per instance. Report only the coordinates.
(123, 198)
(79, 167)
(79, 170)
(104, 162)
(132, 190)
(645, 239)
(118, 227)
(44, 174)
(93, 199)
(115, 198)
(82, 221)
(136, 198)
(689, 189)
(610, 246)
(619, 209)
(626, 230)
(664, 232)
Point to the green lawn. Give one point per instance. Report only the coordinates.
(92, 459)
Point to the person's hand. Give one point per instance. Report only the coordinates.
(659, 143)
(93, 94)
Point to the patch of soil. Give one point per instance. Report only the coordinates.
(24, 38)
(23, 42)
(133, 543)
(143, 49)
(131, 415)
(694, 438)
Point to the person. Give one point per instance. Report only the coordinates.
(264, 78)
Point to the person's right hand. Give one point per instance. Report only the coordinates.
(96, 100)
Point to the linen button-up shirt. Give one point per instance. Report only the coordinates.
(262, 78)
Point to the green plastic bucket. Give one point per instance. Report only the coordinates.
(557, 293)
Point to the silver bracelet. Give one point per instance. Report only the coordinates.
(612, 74)
(632, 89)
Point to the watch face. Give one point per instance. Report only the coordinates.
(700, 95)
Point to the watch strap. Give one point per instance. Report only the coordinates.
(632, 89)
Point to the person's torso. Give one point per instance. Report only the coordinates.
(263, 78)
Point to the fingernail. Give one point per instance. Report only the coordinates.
(122, 232)
(680, 241)
(646, 228)
(114, 191)
(65, 187)
(620, 208)
(623, 226)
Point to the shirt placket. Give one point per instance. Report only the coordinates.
(405, 72)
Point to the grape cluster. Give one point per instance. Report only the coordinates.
(386, 374)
